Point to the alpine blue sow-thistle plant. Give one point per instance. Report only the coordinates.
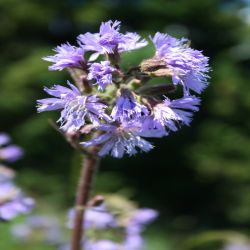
(107, 110)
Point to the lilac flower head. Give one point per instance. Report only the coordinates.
(144, 216)
(164, 43)
(125, 226)
(133, 242)
(101, 73)
(168, 113)
(141, 218)
(189, 67)
(4, 139)
(42, 221)
(11, 153)
(75, 107)
(12, 202)
(152, 128)
(102, 245)
(119, 140)
(13, 208)
(46, 226)
(21, 231)
(127, 108)
(95, 217)
(6, 174)
(64, 247)
(8, 191)
(67, 56)
(109, 40)
(131, 41)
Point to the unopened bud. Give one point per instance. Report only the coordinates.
(96, 201)
(156, 90)
(155, 67)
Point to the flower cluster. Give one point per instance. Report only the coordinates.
(109, 40)
(126, 228)
(40, 227)
(188, 66)
(9, 153)
(12, 200)
(124, 107)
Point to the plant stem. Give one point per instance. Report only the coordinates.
(89, 165)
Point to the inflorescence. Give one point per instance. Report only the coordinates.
(112, 226)
(12, 200)
(116, 109)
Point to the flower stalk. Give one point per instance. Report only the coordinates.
(89, 166)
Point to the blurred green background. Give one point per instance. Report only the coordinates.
(198, 178)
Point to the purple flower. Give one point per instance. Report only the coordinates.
(168, 113)
(6, 174)
(189, 67)
(109, 40)
(102, 245)
(141, 218)
(133, 242)
(127, 108)
(119, 140)
(21, 232)
(12, 201)
(144, 216)
(4, 139)
(13, 208)
(8, 191)
(67, 56)
(100, 218)
(101, 73)
(131, 41)
(75, 107)
(152, 128)
(97, 245)
(11, 153)
(165, 43)
(96, 217)
(42, 221)
(64, 247)
(241, 245)
(46, 226)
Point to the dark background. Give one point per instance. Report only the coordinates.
(199, 177)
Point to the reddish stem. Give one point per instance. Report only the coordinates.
(90, 163)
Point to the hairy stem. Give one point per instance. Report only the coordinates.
(89, 165)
